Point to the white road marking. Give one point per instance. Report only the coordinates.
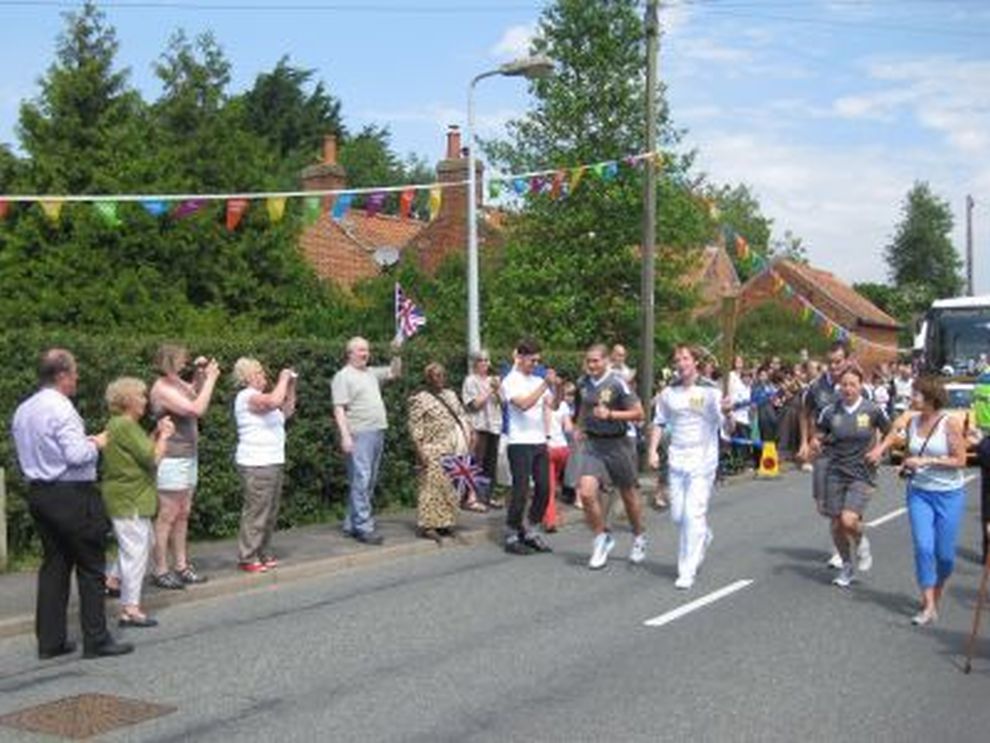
(887, 517)
(711, 598)
(900, 511)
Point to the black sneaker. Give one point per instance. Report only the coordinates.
(369, 537)
(189, 576)
(169, 581)
(536, 542)
(515, 546)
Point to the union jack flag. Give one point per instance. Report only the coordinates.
(464, 472)
(408, 317)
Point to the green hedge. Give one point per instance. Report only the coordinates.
(315, 487)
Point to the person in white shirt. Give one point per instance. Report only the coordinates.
(260, 458)
(528, 397)
(692, 413)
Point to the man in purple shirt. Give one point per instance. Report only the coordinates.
(58, 460)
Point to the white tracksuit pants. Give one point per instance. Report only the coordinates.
(689, 495)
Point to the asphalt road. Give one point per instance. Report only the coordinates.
(472, 645)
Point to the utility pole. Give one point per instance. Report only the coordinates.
(969, 245)
(648, 288)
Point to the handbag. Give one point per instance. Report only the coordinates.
(906, 474)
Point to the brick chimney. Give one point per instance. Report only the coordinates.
(328, 175)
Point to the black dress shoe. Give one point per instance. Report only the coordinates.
(67, 647)
(369, 537)
(107, 649)
(137, 622)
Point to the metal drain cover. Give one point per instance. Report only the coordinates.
(84, 715)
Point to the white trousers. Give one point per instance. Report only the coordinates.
(689, 495)
(135, 537)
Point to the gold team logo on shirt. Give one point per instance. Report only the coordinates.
(605, 397)
(862, 420)
(697, 402)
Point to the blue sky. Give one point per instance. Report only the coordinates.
(828, 109)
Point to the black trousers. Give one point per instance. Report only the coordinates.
(72, 523)
(983, 454)
(525, 461)
(486, 455)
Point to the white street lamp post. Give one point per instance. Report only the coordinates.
(530, 68)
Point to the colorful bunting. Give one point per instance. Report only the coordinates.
(406, 202)
(536, 184)
(276, 208)
(557, 187)
(235, 211)
(107, 210)
(494, 189)
(4, 208)
(576, 175)
(188, 207)
(374, 203)
(311, 210)
(155, 207)
(436, 197)
(519, 185)
(341, 205)
(611, 170)
(599, 170)
(52, 208)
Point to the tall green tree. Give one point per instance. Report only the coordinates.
(571, 269)
(921, 253)
(85, 126)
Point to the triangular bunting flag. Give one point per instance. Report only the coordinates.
(108, 212)
(235, 211)
(406, 202)
(341, 205)
(155, 207)
(4, 208)
(599, 170)
(52, 208)
(535, 184)
(557, 187)
(374, 203)
(436, 197)
(611, 170)
(276, 208)
(494, 189)
(520, 186)
(576, 175)
(311, 210)
(188, 208)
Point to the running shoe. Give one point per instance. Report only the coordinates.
(924, 617)
(638, 552)
(536, 542)
(864, 558)
(189, 576)
(514, 546)
(683, 582)
(835, 561)
(603, 544)
(845, 577)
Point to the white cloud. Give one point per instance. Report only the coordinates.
(515, 42)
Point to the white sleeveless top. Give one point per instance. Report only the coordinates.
(260, 436)
(933, 478)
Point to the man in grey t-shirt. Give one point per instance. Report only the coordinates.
(359, 412)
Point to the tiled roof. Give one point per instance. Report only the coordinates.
(826, 283)
(380, 230)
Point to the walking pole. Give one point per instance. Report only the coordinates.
(980, 598)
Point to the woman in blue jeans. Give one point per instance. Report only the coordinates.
(936, 496)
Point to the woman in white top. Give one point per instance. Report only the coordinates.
(561, 425)
(936, 495)
(260, 457)
(479, 393)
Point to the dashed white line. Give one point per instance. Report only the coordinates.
(887, 517)
(710, 598)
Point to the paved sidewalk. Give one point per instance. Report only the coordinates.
(303, 552)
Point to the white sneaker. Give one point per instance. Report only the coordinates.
(864, 558)
(845, 577)
(683, 582)
(638, 552)
(835, 561)
(807, 467)
(603, 544)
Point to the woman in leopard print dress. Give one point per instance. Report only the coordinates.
(438, 425)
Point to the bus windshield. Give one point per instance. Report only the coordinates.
(960, 337)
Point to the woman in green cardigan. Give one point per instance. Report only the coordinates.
(128, 483)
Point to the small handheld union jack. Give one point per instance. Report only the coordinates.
(464, 472)
(408, 317)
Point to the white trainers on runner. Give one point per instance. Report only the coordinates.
(638, 552)
(683, 582)
(603, 544)
(864, 558)
(835, 561)
(845, 577)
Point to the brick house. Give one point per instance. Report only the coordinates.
(349, 250)
(714, 276)
(838, 301)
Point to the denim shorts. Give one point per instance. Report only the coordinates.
(178, 473)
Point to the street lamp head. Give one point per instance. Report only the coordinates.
(537, 66)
